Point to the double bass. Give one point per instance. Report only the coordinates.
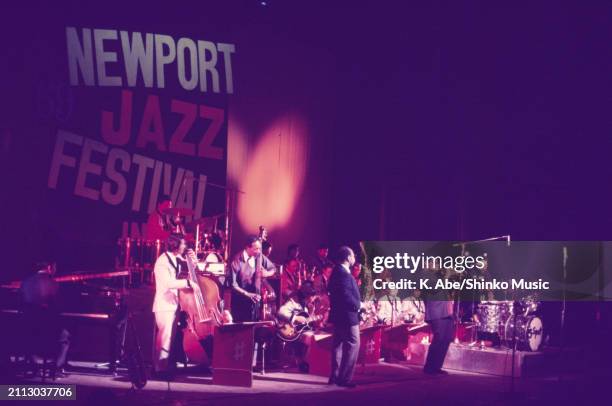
(267, 305)
(202, 310)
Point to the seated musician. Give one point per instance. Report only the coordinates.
(389, 309)
(291, 278)
(39, 293)
(356, 272)
(413, 308)
(320, 283)
(296, 312)
(321, 260)
(166, 301)
(321, 280)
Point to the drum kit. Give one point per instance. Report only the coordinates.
(509, 320)
(138, 255)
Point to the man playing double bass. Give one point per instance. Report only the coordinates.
(248, 271)
(246, 281)
(166, 302)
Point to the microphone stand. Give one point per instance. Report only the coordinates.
(562, 332)
(458, 303)
(514, 344)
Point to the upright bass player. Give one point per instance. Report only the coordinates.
(246, 280)
(166, 301)
(248, 270)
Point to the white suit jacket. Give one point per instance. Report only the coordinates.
(166, 285)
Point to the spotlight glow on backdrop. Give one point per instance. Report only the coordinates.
(273, 175)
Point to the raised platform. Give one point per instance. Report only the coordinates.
(498, 361)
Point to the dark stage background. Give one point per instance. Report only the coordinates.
(347, 122)
(423, 121)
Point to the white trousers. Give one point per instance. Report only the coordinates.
(165, 322)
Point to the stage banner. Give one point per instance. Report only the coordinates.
(107, 122)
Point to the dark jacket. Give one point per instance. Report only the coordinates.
(435, 310)
(344, 298)
(243, 275)
(437, 304)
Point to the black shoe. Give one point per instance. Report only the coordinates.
(331, 381)
(441, 372)
(303, 367)
(347, 384)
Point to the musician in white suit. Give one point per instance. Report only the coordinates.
(166, 302)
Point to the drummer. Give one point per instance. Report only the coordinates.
(164, 220)
(157, 225)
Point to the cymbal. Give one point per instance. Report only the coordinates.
(177, 211)
(205, 221)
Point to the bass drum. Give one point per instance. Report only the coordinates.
(528, 333)
(212, 256)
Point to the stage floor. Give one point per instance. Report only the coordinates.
(377, 384)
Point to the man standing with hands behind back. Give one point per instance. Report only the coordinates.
(345, 303)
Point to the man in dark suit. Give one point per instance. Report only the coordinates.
(439, 315)
(345, 303)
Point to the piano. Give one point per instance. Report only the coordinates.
(92, 308)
